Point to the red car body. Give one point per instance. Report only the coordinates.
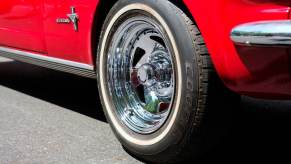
(30, 26)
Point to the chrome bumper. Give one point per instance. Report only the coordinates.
(266, 33)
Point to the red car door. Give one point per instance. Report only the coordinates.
(21, 25)
(63, 39)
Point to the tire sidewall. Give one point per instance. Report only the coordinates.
(188, 83)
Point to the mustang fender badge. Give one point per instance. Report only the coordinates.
(72, 17)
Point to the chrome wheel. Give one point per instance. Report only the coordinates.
(140, 74)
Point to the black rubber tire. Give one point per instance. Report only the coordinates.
(205, 108)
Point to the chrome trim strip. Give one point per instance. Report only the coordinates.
(46, 58)
(263, 33)
(49, 62)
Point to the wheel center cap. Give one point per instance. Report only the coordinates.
(145, 74)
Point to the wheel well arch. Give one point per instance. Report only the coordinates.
(103, 8)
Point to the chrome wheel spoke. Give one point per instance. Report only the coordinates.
(148, 45)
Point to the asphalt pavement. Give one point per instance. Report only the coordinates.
(53, 117)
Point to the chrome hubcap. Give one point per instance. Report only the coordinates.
(140, 75)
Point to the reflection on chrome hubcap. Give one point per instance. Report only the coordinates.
(146, 74)
(140, 75)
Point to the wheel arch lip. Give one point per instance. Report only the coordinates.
(102, 8)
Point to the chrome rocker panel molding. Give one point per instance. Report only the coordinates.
(80, 69)
(263, 33)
